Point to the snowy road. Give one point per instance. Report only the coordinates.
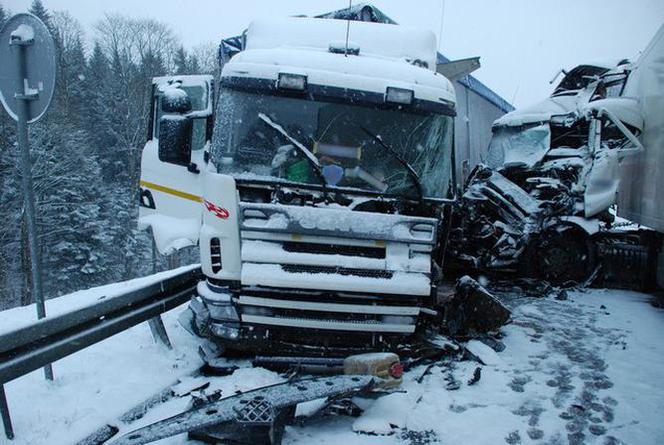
(585, 370)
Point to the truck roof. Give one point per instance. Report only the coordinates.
(373, 39)
(385, 59)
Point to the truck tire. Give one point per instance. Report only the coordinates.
(561, 255)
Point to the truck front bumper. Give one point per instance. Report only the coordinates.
(264, 321)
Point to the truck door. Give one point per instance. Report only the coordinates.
(603, 179)
(173, 159)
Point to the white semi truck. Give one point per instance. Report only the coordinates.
(317, 190)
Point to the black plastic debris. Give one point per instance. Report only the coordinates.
(477, 375)
(473, 310)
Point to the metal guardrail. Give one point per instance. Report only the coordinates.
(28, 348)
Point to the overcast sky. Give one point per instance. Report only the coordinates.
(521, 43)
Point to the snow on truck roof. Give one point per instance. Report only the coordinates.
(302, 46)
(374, 39)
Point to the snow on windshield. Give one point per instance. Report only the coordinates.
(336, 133)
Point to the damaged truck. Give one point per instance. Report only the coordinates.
(318, 187)
(542, 205)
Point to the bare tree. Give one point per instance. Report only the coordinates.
(206, 57)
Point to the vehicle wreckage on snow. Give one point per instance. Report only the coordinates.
(542, 205)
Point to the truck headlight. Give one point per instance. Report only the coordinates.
(288, 81)
(399, 96)
(227, 332)
(223, 312)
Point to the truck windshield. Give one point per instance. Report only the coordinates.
(518, 147)
(248, 148)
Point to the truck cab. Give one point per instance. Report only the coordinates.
(319, 201)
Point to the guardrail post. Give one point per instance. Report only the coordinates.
(159, 331)
(157, 327)
(4, 410)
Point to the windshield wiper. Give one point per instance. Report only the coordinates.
(311, 158)
(402, 161)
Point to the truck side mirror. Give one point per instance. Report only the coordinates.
(175, 100)
(175, 139)
(175, 129)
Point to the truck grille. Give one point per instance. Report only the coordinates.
(334, 249)
(367, 273)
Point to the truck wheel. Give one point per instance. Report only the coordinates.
(560, 255)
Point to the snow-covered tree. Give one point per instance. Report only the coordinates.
(86, 156)
(70, 94)
(38, 9)
(181, 61)
(3, 15)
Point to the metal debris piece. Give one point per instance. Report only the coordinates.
(100, 436)
(268, 408)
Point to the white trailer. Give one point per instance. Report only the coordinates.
(641, 194)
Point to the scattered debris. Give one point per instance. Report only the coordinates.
(259, 416)
(189, 385)
(260, 413)
(473, 309)
(477, 375)
(482, 353)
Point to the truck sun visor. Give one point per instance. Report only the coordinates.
(338, 151)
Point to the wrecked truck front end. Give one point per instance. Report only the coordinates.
(319, 279)
(560, 157)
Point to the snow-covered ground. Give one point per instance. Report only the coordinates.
(585, 370)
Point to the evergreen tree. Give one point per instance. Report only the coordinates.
(75, 71)
(195, 67)
(181, 62)
(69, 193)
(98, 85)
(37, 8)
(3, 16)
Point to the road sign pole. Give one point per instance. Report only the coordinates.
(24, 98)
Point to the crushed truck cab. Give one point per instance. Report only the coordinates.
(318, 203)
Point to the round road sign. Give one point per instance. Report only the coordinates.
(25, 32)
